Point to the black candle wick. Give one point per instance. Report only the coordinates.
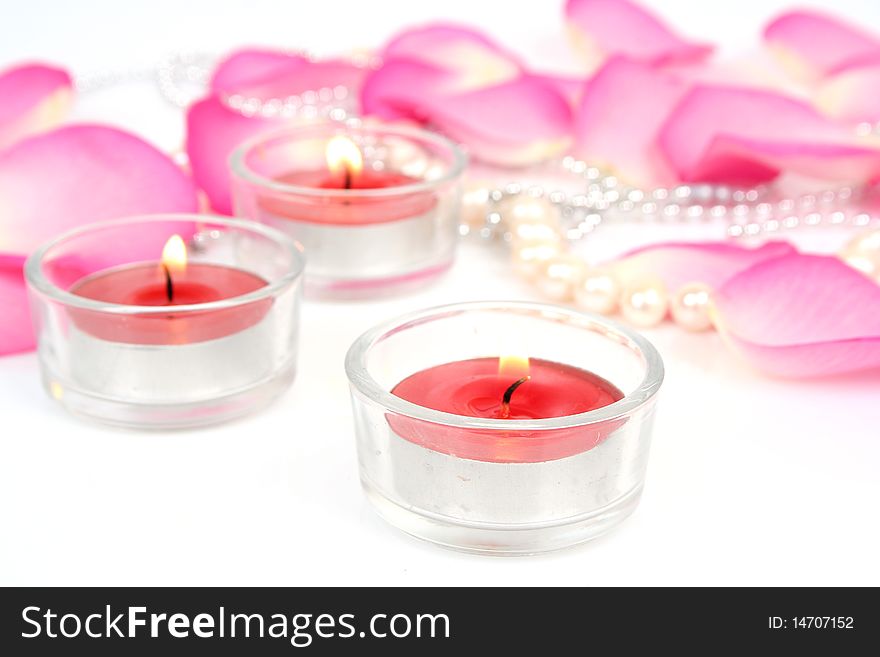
(169, 284)
(505, 400)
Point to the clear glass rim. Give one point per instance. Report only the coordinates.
(239, 168)
(365, 384)
(37, 280)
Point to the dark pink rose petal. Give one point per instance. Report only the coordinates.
(472, 59)
(814, 44)
(34, 98)
(16, 334)
(747, 136)
(517, 122)
(620, 27)
(802, 316)
(75, 175)
(615, 127)
(680, 263)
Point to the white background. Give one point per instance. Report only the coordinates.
(751, 481)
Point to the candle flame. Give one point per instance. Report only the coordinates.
(174, 254)
(513, 366)
(344, 155)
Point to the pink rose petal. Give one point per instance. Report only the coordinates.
(802, 316)
(79, 174)
(620, 27)
(472, 59)
(680, 263)
(815, 45)
(16, 334)
(520, 121)
(616, 128)
(404, 89)
(249, 67)
(212, 133)
(569, 87)
(35, 98)
(214, 129)
(851, 95)
(747, 136)
(268, 74)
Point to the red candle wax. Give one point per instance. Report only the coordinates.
(348, 210)
(147, 285)
(475, 388)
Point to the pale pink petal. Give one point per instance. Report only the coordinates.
(34, 98)
(472, 58)
(801, 316)
(851, 95)
(620, 27)
(212, 133)
(517, 122)
(214, 129)
(813, 44)
(246, 68)
(616, 128)
(751, 69)
(330, 76)
(16, 333)
(569, 87)
(748, 136)
(680, 263)
(79, 174)
(403, 89)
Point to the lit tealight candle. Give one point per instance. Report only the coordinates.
(170, 282)
(344, 159)
(200, 333)
(510, 388)
(508, 454)
(366, 220)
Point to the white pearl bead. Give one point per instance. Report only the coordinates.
(523, 208)
(690, 307)
(529, 257)
(475, 205)
(598, 291)
(644, 303)
(534, 232)
(559, 276)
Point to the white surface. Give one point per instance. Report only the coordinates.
(751, 481)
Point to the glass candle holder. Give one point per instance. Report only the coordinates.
(382, 217)
(516, 485)
(128, 336)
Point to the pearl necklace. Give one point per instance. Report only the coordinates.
(746, 213)
(541, 227)
(183, 78)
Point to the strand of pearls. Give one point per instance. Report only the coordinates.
(540, 227)
(183, 77)
(745, 213)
